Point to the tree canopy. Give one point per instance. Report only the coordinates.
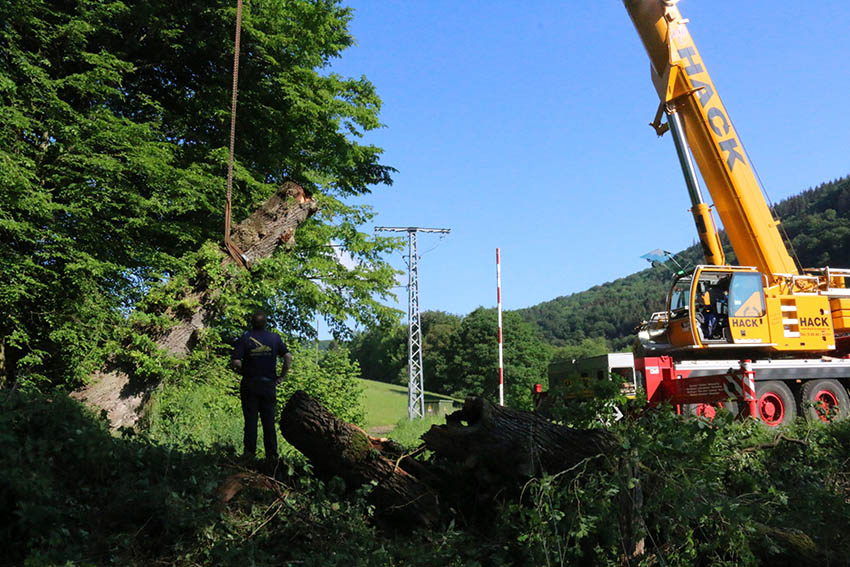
(114, 123)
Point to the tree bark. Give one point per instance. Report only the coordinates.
(114, 389)
(496, 448)
(336, 448)
(4, 366)
(511, 444)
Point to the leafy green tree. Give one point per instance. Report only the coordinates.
(381, 352)
(472, 365)
(114, 123)
(438, 328)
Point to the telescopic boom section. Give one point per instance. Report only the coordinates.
(689, 97)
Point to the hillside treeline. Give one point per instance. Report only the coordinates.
(817, 222)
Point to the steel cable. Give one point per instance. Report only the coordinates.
(231, 248)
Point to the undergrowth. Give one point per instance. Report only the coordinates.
(695, 493)
(73, 494)
(201, 409)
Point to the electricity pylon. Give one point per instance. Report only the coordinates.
(415, 386)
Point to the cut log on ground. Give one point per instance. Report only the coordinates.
(114, 389)
(501, 445)
(512, 444)
(336, 448)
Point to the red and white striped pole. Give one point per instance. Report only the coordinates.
(748, 385)
(499, 311)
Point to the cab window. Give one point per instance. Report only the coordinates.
(680, 295)
(746, 295)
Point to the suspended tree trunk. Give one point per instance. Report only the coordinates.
(272, 226)
(402, 496)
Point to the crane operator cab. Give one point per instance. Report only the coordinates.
(717, 306)
(732, 307)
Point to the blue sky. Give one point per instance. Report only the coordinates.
(523, 125)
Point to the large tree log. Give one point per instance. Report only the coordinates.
(341, 449)
(114, 388)
(512, 444)
(483, 450)
(499, 447)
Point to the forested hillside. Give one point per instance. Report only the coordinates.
(817, 222)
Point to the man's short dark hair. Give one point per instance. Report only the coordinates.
(259, 320)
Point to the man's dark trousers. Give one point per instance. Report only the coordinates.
(258, 397)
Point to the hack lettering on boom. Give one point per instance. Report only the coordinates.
(717, 119)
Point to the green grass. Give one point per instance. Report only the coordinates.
(199, 416)
(408, 433)
(386, 404)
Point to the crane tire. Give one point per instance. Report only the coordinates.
(824, 400)
(775, 403)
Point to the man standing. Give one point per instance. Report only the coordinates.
(255, 357)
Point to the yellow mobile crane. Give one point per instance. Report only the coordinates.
(766, 305)
(765, 337)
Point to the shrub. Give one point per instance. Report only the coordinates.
(408, 432)
(721, 493)
(200, 409)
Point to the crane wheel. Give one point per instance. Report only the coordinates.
(824, 400)
(775, 403)
(710, 411)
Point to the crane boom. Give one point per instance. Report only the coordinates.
(689, 97)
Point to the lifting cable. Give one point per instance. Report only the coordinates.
(232, 249)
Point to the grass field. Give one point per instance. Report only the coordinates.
(386, 404)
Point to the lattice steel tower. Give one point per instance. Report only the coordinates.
(415, 386)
